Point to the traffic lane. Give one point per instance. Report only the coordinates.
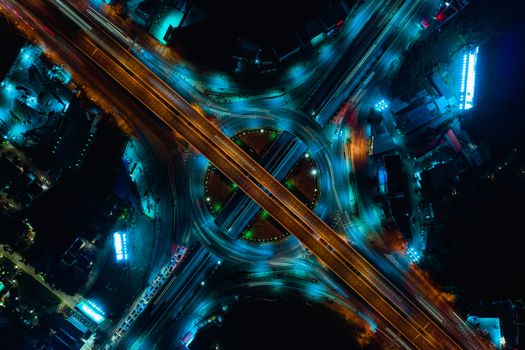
(417, 316)
(448, 318)
(154, 103)
(372, 298)
(151, 101)
(94, 52)
(207, 128)
(174, 297)
(140, 73)
(127, 107)
(210, 129)
(330, 82)
(354, 258)
(108, 89)
(309, 241)
(328, 258)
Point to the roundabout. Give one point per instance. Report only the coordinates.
(234, 213)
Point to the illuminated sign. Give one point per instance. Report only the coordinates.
(92, 311)
(120, 243)
(468, 79)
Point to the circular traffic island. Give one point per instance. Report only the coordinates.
(287, 159)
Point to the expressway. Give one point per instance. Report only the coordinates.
(279, 159)
(172, 299)
(234, 283)
(179, 116)
(220, 162)
(348, 61)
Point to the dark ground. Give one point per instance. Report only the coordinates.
(481, 250)
(284, 324)
(72, 208)
(480, 22)
(11, 45)
(210, 43)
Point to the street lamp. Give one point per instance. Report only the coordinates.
(414, 256)
(381, 105)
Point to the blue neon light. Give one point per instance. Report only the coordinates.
(468, 79)
(91, 310)
(492, 327)
(120, 243)
(414, 255)
(381, 106)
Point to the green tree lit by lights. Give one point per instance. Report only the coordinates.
(217, 207)
(248, 234)
(124, 214)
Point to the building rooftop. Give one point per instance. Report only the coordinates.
(165, 20)
(75, 134)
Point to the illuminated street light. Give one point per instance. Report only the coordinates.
(381, 106)
(414, 256)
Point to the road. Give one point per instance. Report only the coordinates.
(172, 299)
(180, 116)
(17, 260)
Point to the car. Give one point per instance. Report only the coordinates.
(446, 11)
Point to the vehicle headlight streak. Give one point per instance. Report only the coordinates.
(110, 27)
(72, 15)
